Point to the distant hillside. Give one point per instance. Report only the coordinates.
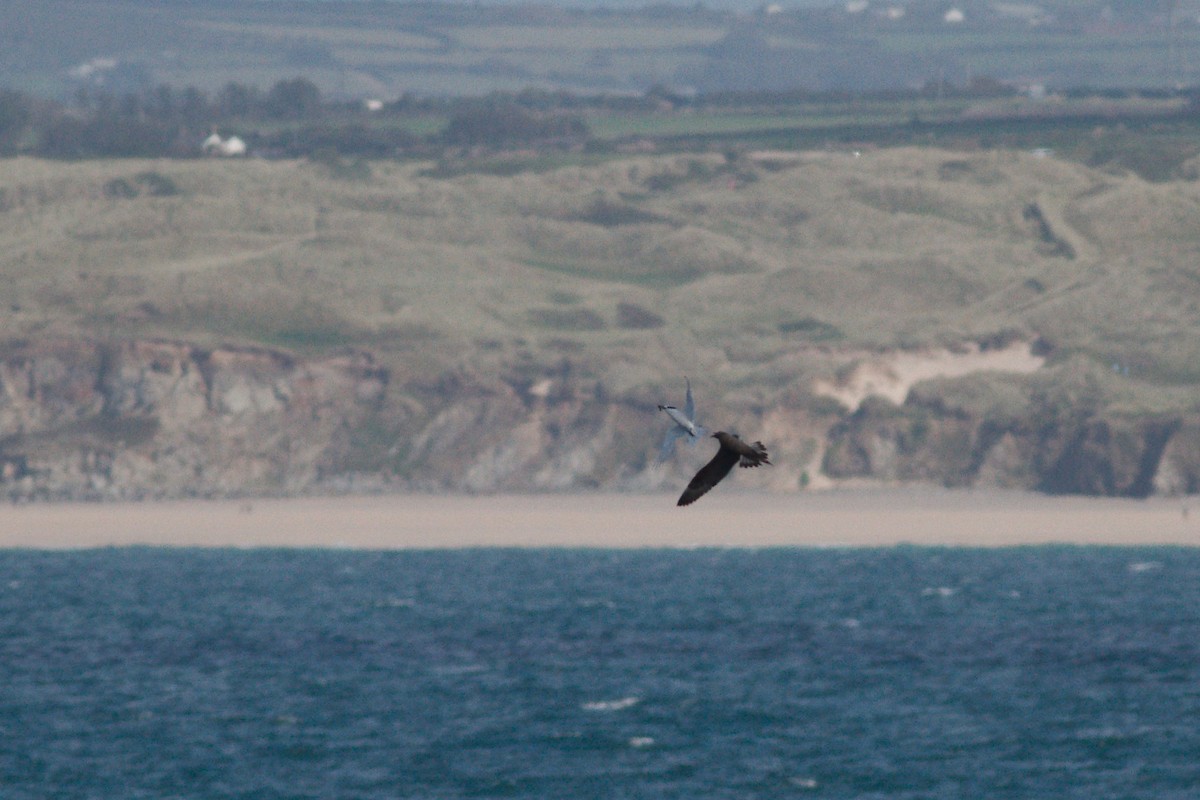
(358, 50)
(254, 327)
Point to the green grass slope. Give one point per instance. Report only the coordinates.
(760, 272)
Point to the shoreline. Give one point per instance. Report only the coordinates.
(832, 518)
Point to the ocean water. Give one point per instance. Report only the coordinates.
(1042, 672)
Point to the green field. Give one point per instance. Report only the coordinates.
(386, 49)
(809, 117)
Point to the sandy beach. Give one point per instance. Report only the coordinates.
(849, 518)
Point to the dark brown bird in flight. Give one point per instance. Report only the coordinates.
(733, 450)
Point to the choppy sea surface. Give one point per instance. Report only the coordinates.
(1040, 672)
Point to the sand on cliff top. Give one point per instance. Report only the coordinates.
(854, 518)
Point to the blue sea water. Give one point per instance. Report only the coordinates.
(1040, 672)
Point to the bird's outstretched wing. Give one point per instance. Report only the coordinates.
(709, 475)
(689, 411)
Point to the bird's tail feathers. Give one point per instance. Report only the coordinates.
(759, 457)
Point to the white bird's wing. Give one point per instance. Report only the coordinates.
(679, 418)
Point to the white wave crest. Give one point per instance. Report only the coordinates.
(612, 705)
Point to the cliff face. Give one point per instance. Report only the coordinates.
(82, 420)
(870, 317)
(157, 419)
(1101, 454)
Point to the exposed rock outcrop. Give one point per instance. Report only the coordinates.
(81, 420)
(1098, 454)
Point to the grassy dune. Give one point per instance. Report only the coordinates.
(759, 273)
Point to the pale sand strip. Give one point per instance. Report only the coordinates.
(821, 519)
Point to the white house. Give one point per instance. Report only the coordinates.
(214, 145)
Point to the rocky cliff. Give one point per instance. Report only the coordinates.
(85, 420)
(1106, 455)
(275, 327)
(140, 419)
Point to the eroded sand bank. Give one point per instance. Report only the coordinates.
(819, 519)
